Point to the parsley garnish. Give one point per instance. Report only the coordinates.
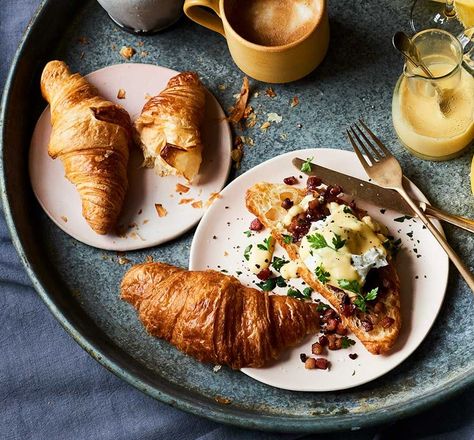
(392, 246)
(267, 285)
(322, 307)
(402, 218)
(267, 243)
(248, 233)
(247, 252)
(306, 167)
(288, 239)
(317, 241)
(296, 293)
(278, 262)
(346, 342)
(271, 283)
(361, 300)
(321, 274)
(337, 242)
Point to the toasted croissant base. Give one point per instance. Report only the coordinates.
(213, 317)
(264, 201)
(92, 137)
(169, 127)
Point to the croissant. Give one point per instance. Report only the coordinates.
(169, 127)
(92, 137)
(213, 317)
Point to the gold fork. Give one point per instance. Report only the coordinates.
(382, 167)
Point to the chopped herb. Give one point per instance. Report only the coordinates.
(287, 239)
(306, 167)
(238, 272)
(321, 274)
(347, 210)
(267, 244)
(361, 301)
(402, 218)
(352, 286)
(346, 342)
(295, 293)
(280, 282)
(247, 252)
(322, 307)
(392, 246)
(278, 262)
(337, 242)
(248, 233)
(224, 271)
(317, 241)
(268, 285)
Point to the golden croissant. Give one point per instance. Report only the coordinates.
(92, 137)
(169, 127)
(213, 317)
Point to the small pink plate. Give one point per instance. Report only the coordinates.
(139, 219)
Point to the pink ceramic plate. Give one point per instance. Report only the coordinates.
(139, 220)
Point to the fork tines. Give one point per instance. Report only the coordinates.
(370, 150)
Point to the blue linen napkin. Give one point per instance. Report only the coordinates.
(51, 389)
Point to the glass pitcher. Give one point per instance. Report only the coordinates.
(434, 117)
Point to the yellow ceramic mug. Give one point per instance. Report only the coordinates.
(273, 64)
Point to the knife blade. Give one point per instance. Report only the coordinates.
(385, 198)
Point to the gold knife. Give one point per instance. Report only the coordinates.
(385, 198)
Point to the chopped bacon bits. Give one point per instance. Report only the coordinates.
(287, 204)
(353, 356)
(161, 211)
(317, 348)
(256, 225)
(292, 180)
(313, 182)
(310, 363)
(321, 363)
(264, 274)
(121, 94)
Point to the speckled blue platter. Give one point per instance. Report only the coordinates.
(80, 284)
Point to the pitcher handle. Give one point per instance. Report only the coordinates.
(193, 10)
(467, 42)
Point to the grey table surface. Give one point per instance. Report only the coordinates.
(51, 389)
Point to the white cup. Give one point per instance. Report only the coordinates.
(143, 16)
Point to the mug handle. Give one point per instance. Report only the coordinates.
(193, 10)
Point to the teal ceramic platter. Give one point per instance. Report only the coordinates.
(80, 284)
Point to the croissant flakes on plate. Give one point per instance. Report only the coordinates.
(169, 127)
(213, 317)
(92, 137)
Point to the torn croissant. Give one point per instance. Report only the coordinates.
(169, 127)
(92, 137)
(213, 317)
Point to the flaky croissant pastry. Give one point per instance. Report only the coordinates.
(213, 317)
(169, 127)
(92, 137)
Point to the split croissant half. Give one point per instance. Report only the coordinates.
(213, 317)
(169, 127)
(92, 137)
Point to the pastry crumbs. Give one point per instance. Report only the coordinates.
(127, 52)
(149, 259)
(270, 92)
(265, 126)
(121, 94)
(294, 101)
(64, 218)
(222, 400)
(185, 201)
(180, 188)
(197, 204)
(161, 211)
(123, 260)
